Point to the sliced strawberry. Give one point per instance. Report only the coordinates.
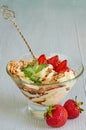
(66, 69)
(42, 59)
(62, 67)
(53, 60)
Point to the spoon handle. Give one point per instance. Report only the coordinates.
(24, 39)
(10, 16)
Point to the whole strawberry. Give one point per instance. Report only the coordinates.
(56, 116)
(73, 108)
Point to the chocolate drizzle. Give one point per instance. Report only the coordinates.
(33, 94)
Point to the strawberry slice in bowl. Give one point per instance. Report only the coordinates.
(62, 67)
(42, 59)
(53, 60)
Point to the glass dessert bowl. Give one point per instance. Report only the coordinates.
(44, 81)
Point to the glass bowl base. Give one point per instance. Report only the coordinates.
(37, 112)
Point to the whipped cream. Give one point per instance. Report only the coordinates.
(47, 75)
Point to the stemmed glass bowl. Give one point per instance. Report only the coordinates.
(40, 96)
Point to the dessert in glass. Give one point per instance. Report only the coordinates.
(45, 80)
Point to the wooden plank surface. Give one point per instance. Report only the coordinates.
(58, 18)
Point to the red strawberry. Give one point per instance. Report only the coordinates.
(42, 59)
(73, 108)
(53, 60)
(62, 67)
(56, 116)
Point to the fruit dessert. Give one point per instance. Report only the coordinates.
(44, 80)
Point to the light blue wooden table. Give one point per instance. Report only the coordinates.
(34, 17)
